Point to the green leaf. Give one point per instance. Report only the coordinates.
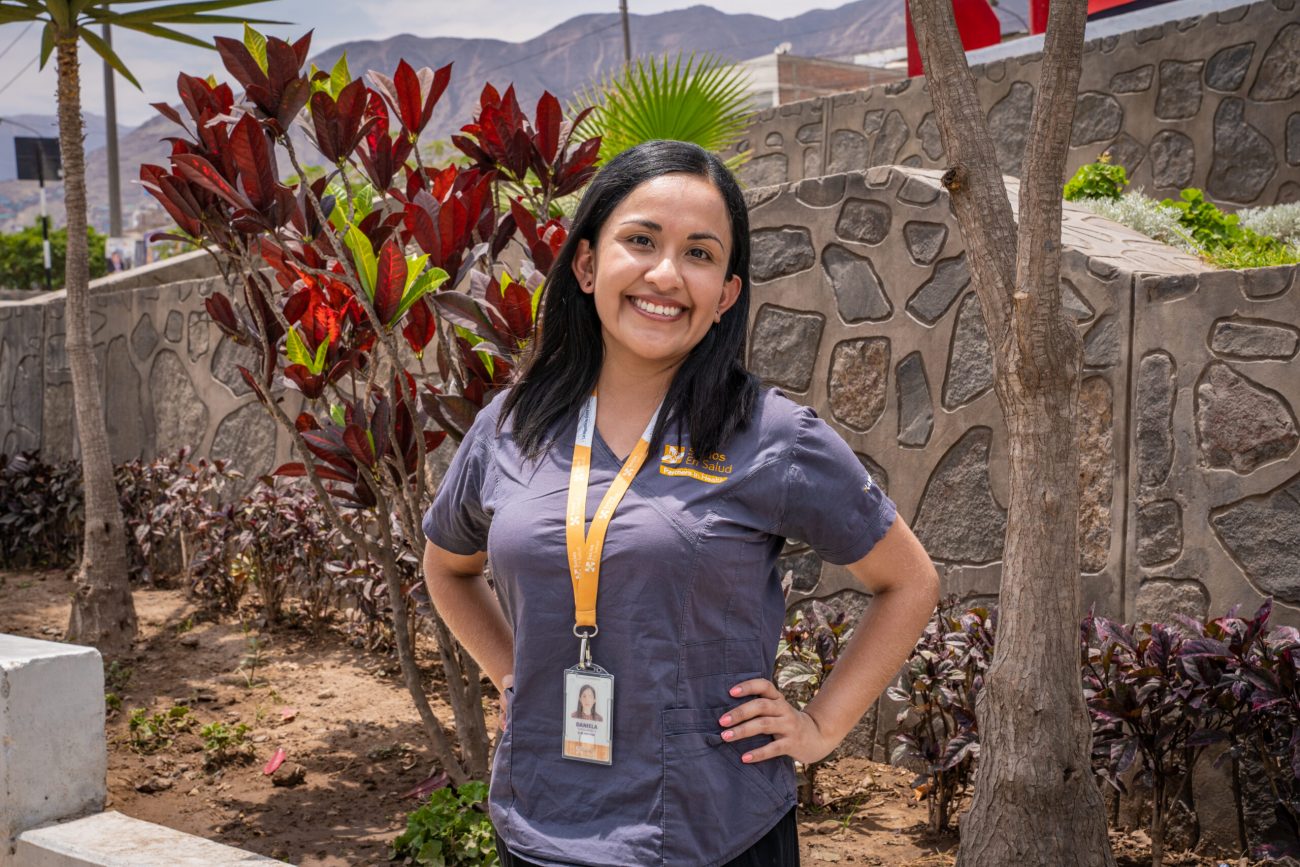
(337, 414)
(417, 289)
(60, 13)
(340, 77)
(537, 299)
(297, 350)
(164, 33)
(256, 45)
(318, 363)
(363, 254)
(414, 269)
(47, 43)
(104, 50)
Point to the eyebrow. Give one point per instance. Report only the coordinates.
(693, 236)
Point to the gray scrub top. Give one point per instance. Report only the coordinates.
(690, 604)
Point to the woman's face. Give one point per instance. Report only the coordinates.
(587, 698)
(658, 270)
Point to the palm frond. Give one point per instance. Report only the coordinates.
(697, 99)
(104, 50)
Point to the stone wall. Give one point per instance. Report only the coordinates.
(1209, 100)
(168, 375)
(1190, 493)
(1189, 486)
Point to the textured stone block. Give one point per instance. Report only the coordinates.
(1263, 535)
(1159, 532)
(114, 840)
(1154, 408)
(859, 380)
(53, 760)
(970, 359)
(780, 252)
(1240, 424)
(784, 346)
(958, 520)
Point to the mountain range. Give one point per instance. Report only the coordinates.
(563, 60)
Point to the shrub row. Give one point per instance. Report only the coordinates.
(1160, 697)
(184, 520)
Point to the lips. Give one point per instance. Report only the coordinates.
(657, 309)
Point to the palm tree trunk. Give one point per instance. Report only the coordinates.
(103, 614)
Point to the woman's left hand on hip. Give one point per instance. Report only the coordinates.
(794, 733)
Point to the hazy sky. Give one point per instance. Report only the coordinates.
(156, 63)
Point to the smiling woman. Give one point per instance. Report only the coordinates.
(640, 360)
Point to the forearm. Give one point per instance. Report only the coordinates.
(471, 611)
(876, 651)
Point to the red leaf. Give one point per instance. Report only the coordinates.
(420, 326)
(302, 48)
(222, 313)
(359, 445)
(196, 169)
(252, 152)
(168, 112)
(240, 63)
(325, 120)
(438, 780)
(549, 118)
(407, 91)
(276, 761)
(390, 281)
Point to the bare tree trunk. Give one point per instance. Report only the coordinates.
(103, 613)
(1036, 801)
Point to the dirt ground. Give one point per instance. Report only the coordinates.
(344, 718)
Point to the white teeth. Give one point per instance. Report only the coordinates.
(659, 309)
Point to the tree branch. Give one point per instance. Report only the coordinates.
(974, 179)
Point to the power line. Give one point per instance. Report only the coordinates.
(518, 60)
(9, 83)
(10, 46)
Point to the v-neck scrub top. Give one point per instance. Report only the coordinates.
(690, 604)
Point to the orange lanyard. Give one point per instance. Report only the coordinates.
(585, 548)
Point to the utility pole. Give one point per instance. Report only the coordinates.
(627, 37)
(110, 120)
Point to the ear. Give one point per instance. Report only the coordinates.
(584, 266)
(730, 293)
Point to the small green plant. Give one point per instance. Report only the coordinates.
(112, 702)
(1099, 180)
(152, 732)
(450, 829)
(252, 659)
(1221, 238)
(185, 625)
(117, 676)
(223, 743)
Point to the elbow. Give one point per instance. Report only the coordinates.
(930, 585)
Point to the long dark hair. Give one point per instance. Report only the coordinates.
(712, 392)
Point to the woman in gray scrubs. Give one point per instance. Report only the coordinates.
(659, 591)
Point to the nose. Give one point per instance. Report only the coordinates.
(663, 275)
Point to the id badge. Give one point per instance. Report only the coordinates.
(588, 715)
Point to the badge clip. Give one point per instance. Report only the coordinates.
(584, 646)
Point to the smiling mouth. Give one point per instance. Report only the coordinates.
(657, 311)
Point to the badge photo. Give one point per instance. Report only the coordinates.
(588, 712)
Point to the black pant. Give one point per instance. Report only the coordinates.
(779, 847)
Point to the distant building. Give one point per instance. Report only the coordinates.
(781, 77)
